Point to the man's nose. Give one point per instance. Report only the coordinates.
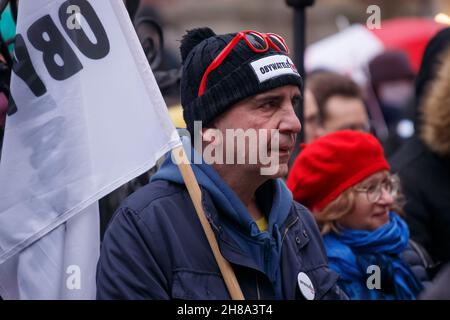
(290, 122)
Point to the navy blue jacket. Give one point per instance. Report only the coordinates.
(155, 248)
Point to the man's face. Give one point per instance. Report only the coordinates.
(345, 113)
(263, 114)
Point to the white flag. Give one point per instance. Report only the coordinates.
(88, 117)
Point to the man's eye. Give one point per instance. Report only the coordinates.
(269, 104)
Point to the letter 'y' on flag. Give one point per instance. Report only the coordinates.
(88, 117)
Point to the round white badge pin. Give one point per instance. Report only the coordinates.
(306, 286)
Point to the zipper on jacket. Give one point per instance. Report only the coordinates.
(287, 229)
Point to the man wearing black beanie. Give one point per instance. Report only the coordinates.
(155, 247)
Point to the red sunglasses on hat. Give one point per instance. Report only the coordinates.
(257, 41)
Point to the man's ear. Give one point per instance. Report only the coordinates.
(211, 134)
(210, 126)
(206, 133)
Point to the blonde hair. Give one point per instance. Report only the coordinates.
(341, 206)
(336, 209)
(435, 109)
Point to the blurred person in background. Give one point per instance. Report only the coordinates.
(164, 61)
(339, 100)
(166, 68)
(392, 84)
(7, 33)
(343, 178)
(311, 124)
(423, 163)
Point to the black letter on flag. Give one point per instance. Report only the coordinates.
(45, 36)
(91, 50)
(24, 69)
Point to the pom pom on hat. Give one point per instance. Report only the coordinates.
(192, 38)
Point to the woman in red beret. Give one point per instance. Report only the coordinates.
(344, 179)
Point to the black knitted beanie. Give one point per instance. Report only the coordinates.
(243, 73)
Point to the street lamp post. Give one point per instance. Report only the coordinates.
(299, 7)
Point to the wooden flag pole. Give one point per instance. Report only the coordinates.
(195, 193)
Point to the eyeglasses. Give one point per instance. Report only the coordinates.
(391, 185)
(257, 41)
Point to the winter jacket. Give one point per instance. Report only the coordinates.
(439, 288)
(423, 165)
(419, 261)
(425, 179)
(155, 247)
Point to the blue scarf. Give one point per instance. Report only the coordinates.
(351, 252)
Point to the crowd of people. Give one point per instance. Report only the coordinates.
(354, 217)
(418, 200)
(351, 223)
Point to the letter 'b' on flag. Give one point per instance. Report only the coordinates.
(88, 117)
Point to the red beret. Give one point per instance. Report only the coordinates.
(333, 163)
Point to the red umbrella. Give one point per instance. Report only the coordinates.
(410, 35)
